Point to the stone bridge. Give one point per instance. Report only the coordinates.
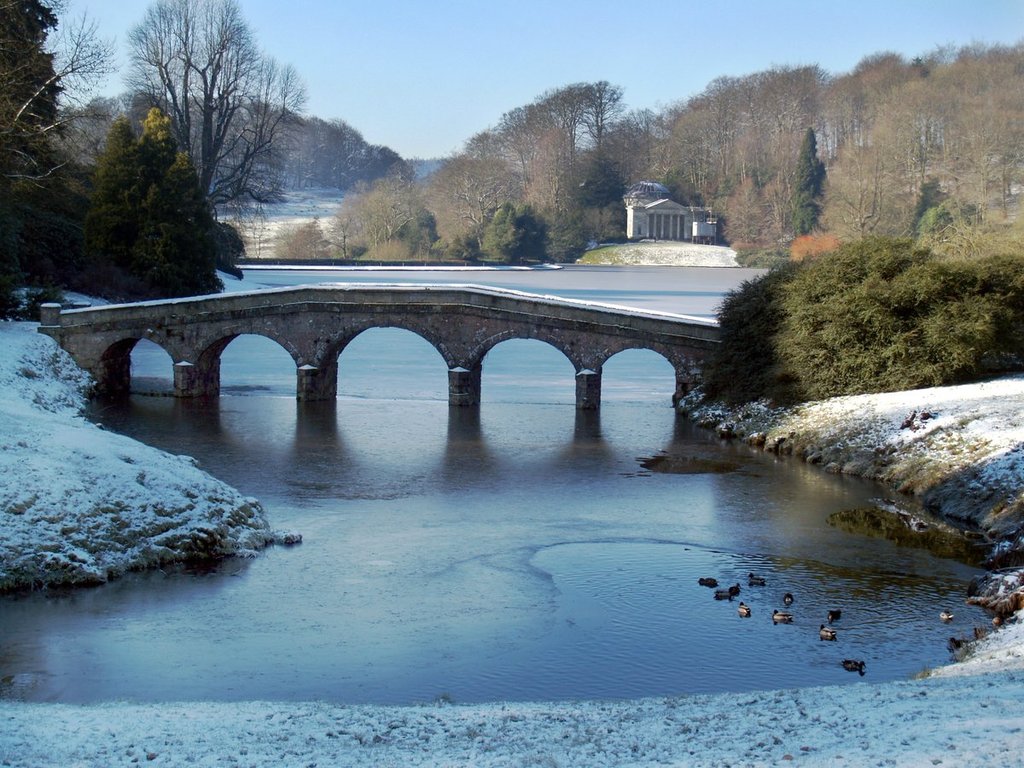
(314, 324)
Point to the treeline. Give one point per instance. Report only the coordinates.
(929, 147)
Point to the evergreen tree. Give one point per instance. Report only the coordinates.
(111, 224)
(148, 215)
(499, 239)
(515, 234)
(28, 107)
(808, 186)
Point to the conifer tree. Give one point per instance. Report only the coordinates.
(28, 100)
(808, 187)
(515, 234)
(148, 215)
(111, 224)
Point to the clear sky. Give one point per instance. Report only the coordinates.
(422, 76)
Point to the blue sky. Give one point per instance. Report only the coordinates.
(422, 76)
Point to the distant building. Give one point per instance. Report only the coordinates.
(651, 215)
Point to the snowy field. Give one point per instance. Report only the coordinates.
(662, 254)
(56, 464)
(261, 230)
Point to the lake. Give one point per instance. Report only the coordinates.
(516, 551)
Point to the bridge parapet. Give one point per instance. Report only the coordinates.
(315, 323)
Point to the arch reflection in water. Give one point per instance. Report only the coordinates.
(152, 369)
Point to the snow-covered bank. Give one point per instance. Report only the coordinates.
(80, 505)
(960, 450)
(970, 720)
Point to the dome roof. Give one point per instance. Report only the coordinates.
(650, 190)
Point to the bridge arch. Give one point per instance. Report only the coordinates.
(621, 381)
(424, 370)
(197, 372)
(539, 367)
(113, 371)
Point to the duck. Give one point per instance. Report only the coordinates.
(707, 582)
(826, 633)
(780, 617)
(723, 594)
(833, 616)
(754, 580)
(743, 610)
(946, 615)
(787, 598)
(734, 590)
(854, 665)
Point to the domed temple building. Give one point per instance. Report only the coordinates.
(652, 215)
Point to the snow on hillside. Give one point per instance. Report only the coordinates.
(662, 254)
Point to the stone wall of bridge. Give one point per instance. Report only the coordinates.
(314, 324)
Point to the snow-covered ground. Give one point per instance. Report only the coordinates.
(959, 449)
(261, 229)
(81, 505)
(55, 465)
(662, 254)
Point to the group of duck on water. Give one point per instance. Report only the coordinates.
(825, 631)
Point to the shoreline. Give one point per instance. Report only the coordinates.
(957, 452)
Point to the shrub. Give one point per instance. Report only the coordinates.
(390, 252)
(745, 366)
(758, 257)
(880, 315)
(811, 246)
(876, 315)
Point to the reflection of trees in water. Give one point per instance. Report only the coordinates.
(879, 523)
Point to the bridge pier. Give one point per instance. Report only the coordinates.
(464, 386)
(313, 383)
(588, 390)
(194, 381)
(684, 383)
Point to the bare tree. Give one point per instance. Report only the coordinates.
(47, 71)
(603, 105)
(467, 190)
(230, 105)
(864, 196)
(373, 215)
